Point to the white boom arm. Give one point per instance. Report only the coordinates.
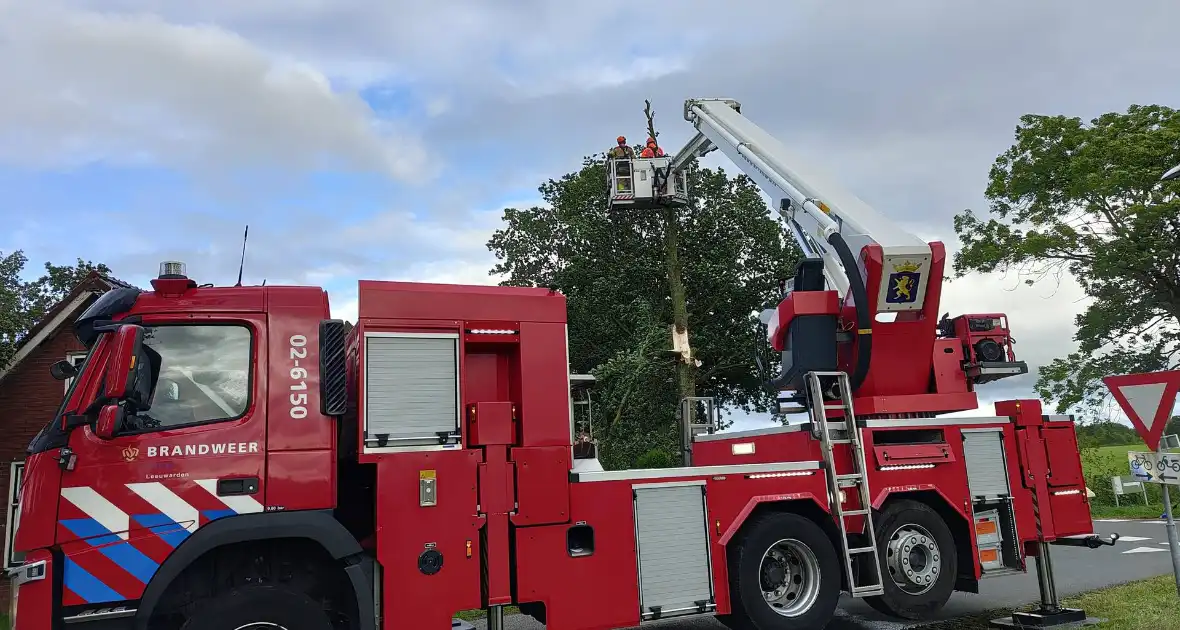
(817, 207)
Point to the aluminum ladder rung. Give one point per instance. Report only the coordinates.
(847, 425)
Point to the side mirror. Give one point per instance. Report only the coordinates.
(168, 389)
(110, 420)
(333, 362)
(121, 368)
(63, 370)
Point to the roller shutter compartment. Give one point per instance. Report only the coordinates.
(411, 389)
(675, 575)
(987, 462)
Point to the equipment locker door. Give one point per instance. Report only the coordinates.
(195, 456)
(672, 537)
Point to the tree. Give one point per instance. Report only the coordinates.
(1173, 426)
(1106, 433)
(611, 266)
(23, 304)
(677, 293)
(1087, 200)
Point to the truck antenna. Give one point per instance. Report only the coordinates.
(242, 264)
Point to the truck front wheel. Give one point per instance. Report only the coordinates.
(259, 608)
(918, 559)
(783, 573)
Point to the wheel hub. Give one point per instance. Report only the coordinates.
(789, 576)
(914, 559)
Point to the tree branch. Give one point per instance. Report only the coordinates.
(651, 126)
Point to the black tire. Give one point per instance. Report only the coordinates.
(906, 523)
(792, 536)
(269, 607)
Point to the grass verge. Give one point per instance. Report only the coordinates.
(1150, 512)
(1102, 463)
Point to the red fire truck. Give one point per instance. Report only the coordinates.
(231, 458)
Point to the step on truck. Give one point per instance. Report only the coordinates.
(231, 458)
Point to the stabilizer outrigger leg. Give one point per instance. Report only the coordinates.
(1050, 613)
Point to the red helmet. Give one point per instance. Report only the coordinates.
(621, 140)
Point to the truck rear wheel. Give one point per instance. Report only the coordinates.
(259, 608)
(783, 573)
(918, 559)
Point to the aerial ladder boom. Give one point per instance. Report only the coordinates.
(858, 266)
(866, 292)
(812, 206)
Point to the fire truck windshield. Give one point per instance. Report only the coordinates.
(203, 375)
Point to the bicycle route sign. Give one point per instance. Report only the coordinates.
(1155, 467)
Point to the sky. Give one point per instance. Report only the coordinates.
(382, 140)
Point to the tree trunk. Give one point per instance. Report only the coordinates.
(685, 366)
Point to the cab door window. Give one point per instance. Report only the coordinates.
(199, 373)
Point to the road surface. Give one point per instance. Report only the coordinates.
(1141, 552)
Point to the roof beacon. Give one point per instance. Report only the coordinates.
(173, 281)
(172, 270)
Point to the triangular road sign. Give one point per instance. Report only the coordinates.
(1147, 400)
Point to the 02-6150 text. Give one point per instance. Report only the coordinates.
(298, 377)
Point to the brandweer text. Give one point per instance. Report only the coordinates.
(223, 448)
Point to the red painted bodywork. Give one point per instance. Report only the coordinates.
(35, 608)
(109, 509)
(906, 351)
(801, 303)
(505, 495)
(903, 349)
(1001, 334)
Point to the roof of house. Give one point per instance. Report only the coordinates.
(93, 284)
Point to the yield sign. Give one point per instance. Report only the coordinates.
(1147, 400)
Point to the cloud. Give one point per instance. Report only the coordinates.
(134, 89)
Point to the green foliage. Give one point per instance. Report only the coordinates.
(657, 458)
(1106, 433)
(635, 393)
(1086, 200)
(1173, 426)
(1100, 464)
(23, 304)
(611, 266)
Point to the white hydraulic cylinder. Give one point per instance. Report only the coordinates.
(818, 207)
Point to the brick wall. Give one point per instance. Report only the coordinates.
(29, 398)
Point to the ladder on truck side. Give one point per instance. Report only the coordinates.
(870, 582)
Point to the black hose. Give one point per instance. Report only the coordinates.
(864, 324)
